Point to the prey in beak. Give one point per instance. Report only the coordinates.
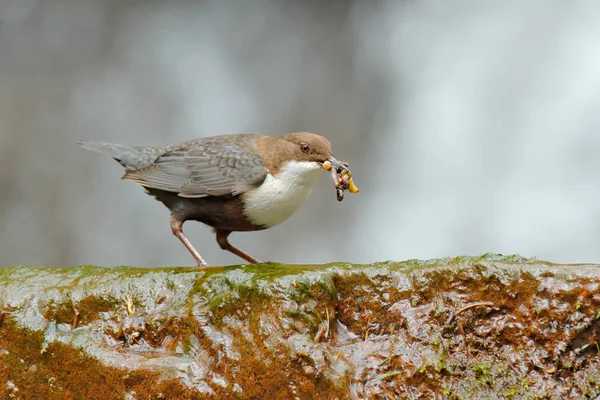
(341, 176)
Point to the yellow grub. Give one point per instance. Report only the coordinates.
(352, 188)
(327, 165)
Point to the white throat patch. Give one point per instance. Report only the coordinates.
(279, 197)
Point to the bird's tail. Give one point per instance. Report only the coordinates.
(127, 156)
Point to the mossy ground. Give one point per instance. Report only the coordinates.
(390, 330)
(62, 372)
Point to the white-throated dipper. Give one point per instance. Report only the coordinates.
(233, 183)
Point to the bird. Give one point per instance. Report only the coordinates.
(232, 183)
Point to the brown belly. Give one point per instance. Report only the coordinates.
(221, 212)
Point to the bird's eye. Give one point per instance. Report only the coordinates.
(304, 147)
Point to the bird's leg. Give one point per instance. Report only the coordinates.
(225, 245)
(176, 228)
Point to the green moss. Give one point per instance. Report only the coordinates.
(448, 394)
(482, 369)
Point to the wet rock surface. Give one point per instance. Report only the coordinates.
(466, 327)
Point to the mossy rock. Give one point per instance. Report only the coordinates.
(463, 328)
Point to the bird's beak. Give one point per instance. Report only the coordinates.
(333, 164)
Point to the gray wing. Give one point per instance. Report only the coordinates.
(207, 167)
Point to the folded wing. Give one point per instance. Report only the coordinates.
(206, 167)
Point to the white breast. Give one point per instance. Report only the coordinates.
(279, 197)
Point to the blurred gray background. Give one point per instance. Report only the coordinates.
(470, 126)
